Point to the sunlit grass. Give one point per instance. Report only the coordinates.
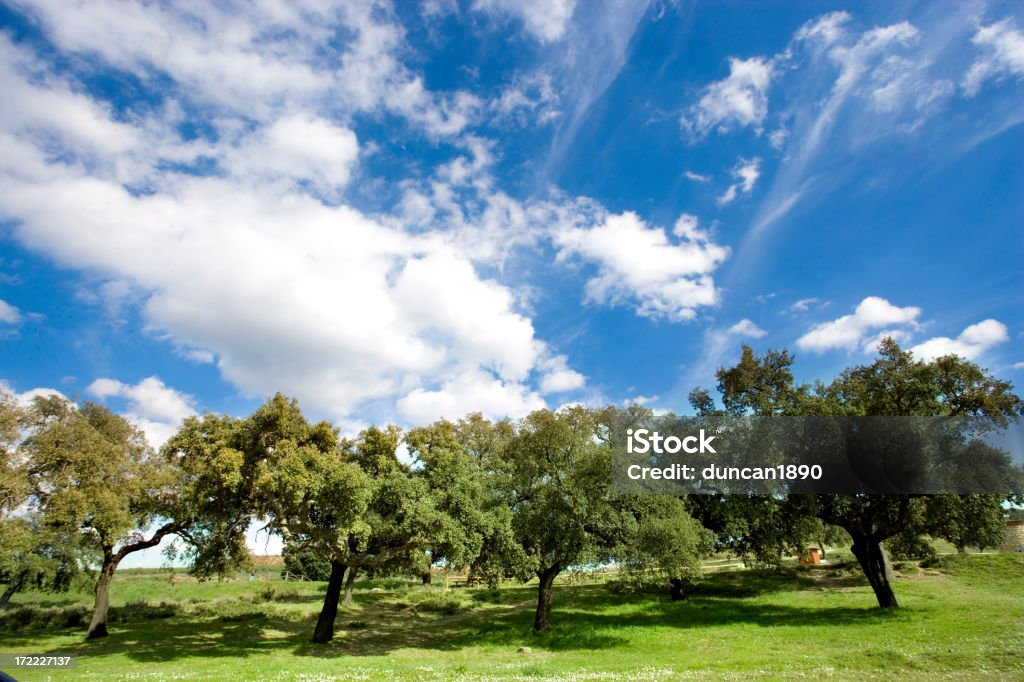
(962, 618)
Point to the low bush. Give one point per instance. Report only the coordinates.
(437, 601)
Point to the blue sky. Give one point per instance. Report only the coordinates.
(401, 212)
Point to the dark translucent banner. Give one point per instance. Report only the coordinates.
(830, 455)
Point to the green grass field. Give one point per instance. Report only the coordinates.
(961, 619)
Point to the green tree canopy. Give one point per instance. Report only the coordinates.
(895, 384)
(93, 476)
(553, 473)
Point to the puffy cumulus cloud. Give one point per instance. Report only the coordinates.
(255, 59)
(746, 173)
(236, 242)
(851, 331)
(25, 398)
(8, 313)
(153, 406)
(441, 294)
(900, 336)
(547, 20)
(472, 390)
(297, 148)
(290, 294)
(149, 398)
(640, 265)
(1002, 48)
(532, 98)
(747, 328)
(972, 341)
(558, 377)
(738, 101)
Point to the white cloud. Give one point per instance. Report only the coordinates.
(640, 400)
(882, 81)
(1018, 365)
(746, 173)
(824, 30)
(8, 313)
(747, 328)
(972, 341)
(639, 264)
(341, 309)
(197, 355)
(900, 336)
(686, 227)
(151, 405)
(297, 148)
(1002, 47)
(545, 19)
(469, 391)
(804, 304)
(529, 99)
(558, 377)
(850, 331)
(259, 266)
(257, 59)
(696, 177)
(777, 138)
(739, 100)
(25, 399)
(717, 344)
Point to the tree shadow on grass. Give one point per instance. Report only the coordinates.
(239, 635)
(580, 620)
(584, 617)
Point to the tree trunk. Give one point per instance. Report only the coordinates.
(425, 576)
(98, 624)
(678, 589)
(349, 586)
(541, 620)
(875, 564)
(15, 585)
(324, 631)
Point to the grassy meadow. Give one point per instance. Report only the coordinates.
(962, 618)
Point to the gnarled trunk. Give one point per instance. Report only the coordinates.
(875, 564)
(678, 589)
(541, 620)
(349, 586)
(425, 577)
(15, 585)
(324, 631)
(98, 624)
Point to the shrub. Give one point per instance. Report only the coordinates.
(437, 601)
(910, 546)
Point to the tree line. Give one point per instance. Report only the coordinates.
(80, 489)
